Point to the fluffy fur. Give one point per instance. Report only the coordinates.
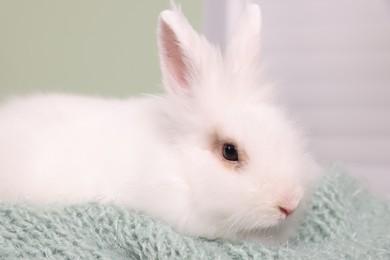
(162, 155)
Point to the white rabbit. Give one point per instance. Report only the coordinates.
(214, 157)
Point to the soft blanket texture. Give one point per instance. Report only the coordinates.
(344, 222)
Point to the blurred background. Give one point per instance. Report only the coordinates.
(97, 47)
(330, 60)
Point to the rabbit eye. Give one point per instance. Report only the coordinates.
(229, 152)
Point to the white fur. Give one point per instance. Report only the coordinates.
(157, 154)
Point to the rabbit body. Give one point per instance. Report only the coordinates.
(214, 157)
(72, 149)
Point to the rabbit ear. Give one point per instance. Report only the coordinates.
(176, 41)
(243, 50)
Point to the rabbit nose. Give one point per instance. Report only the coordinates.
(289, 201)
(285, 210)
(288, 206)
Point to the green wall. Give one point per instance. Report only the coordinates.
(101, 47)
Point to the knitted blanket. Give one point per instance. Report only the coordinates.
(344, 222)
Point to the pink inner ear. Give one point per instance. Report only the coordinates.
(174, 58)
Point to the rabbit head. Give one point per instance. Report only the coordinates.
(244, 162)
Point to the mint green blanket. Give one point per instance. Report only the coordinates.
(345, 222)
